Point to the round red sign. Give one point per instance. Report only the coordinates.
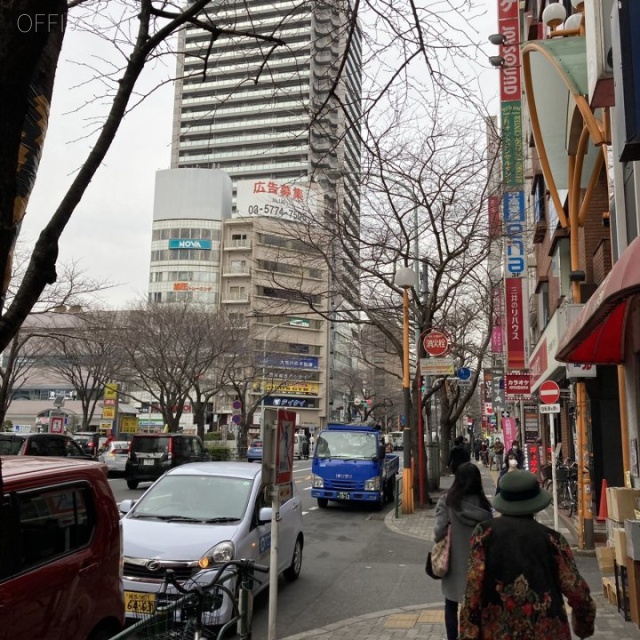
(549, 392)
(436, 343)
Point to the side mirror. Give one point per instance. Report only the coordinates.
(381, 452)
(126, 505)
(265, 514)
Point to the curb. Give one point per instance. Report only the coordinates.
(363, 618)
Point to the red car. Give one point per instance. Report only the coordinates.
(60, 550)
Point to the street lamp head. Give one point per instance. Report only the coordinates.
(405, 277)
(497, 39)
(554, 15)
(496, 61)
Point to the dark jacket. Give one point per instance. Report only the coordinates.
(519, 571)
(519, 454)
(459, 454)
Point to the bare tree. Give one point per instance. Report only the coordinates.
(28, 349)
(88, 356)
(169, 348)
(405, 44)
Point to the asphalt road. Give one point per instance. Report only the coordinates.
(352, 565)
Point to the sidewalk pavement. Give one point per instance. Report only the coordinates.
(426, 622)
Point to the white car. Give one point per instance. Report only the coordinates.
(197, 515)
(115, 456)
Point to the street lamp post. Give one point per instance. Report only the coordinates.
(264, 373)
(405, 278)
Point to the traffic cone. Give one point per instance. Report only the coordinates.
(603, 513)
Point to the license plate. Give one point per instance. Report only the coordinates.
(343, 495)
(149, 461)
(135, 602)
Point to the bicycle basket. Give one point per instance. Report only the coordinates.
(562, 474)
(547, 472)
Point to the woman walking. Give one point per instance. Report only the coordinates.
(519, 571)
(462, 507)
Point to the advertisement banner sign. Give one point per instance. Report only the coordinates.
(284, 446)
(56, 424)
(512, 155)
(515, 328)
(517, 385)
(509, 430)
(274, 199)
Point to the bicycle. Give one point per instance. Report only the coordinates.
(567, 478)
(181, 613)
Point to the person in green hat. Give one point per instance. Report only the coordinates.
(520, 571)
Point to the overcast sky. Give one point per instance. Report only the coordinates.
(109, 235)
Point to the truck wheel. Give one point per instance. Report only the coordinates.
(323, 503)
(132, 484)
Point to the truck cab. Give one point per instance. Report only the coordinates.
(350, 465)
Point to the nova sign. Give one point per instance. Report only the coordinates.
(190, 244)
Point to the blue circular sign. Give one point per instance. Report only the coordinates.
(464, 373)
(236, 419)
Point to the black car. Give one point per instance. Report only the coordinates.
(90, 441)
(41, 444)
(151, 454)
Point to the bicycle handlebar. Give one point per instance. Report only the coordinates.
(245, 566)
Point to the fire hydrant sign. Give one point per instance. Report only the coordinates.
(436, 343)
(284, 446)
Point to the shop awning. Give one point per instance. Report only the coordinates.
(597, 335)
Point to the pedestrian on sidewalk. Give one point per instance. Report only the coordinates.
(462, 507)
(518, 452)
(510, 465)
(519, 571)
(459, 454)
(498, 454)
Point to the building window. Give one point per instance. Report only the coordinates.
(238, 266)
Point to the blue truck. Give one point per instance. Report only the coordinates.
(350, 465)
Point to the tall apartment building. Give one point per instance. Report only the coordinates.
(277, 118)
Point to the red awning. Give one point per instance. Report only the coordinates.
(597, 335)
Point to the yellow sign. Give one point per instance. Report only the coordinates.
(109, 412)
(129, 424)
(106, 426)
(291, 388)
(111, 391)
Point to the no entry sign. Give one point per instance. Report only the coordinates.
(549, 392)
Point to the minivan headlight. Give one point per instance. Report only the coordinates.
(317, 482)
(222, 552)
(372, 484)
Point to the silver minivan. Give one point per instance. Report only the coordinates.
(199, 514)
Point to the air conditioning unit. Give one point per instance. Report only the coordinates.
(597, 15)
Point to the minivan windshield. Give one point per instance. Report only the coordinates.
(202, 498)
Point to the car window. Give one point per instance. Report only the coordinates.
(151, 445)
(10, 446)
(46, 524)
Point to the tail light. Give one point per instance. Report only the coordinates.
(170, 452)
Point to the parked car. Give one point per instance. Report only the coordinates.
(41, 444)
(200, 514)
(115, 456)
(300, 446)
(151, 454)
(254, 451)
(91, 441)
(60, 569)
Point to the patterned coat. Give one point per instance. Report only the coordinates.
(463, 521)
(519, 571)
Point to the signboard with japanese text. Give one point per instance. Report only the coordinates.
(128, 424)
(292, 362)
(292, 388)
(437, 343)
(515, 327)
(284, 446)
(275, 199)
(437, 366)
(294, 403)
(517, 385)
(111, 391)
